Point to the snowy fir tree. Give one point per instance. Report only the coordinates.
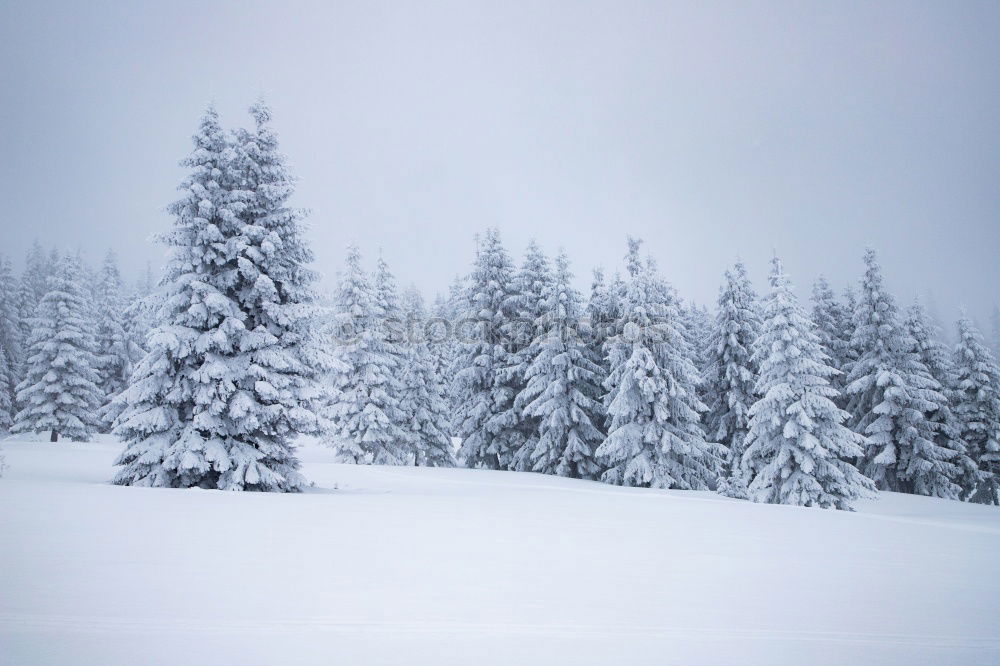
(32, 287)
(6, 395)
(947, 428)
(851, 352)
(365, 413)
(978, 409)
(10, 333)
(117, 352)
(389, 325)
(680, 355)
(699, 325)
(603, 322)
(891, 394)
(424, 401)
(731, 374)
(59, 392)
(142, 309)
(484, 388)
(138, 321)
(230, 378)
(529, 325)
(37, 269)
(797, 448)
(603, 314)
(654, 435)
(443, 336)
(831, 319)
(563, 391)
(10, 326)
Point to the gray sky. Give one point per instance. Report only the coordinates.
(710, 129)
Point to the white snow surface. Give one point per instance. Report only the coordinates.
(389, 565)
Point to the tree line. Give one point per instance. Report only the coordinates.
(70, 335)
(209, 382)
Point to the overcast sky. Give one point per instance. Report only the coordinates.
(709, 129)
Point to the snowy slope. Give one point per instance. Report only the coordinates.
(430, 566)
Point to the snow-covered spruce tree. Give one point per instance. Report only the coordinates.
(10, 327)
(851, 353)
(798, 447)
(604, 315)
(603, 322)
(484, 417)
(138, 320)
(699, 325)
(389, 325)
(365, 413)
(680, 355)
(6, 396)
(424, 403)
(37, 269)
(563, 392)
(142, 309)
(891, 394)
(529, 324)
(116, 350)
(59, 392)
(831, 319)
(10, 333)
(731, 374)
(947, 428)
(30, 290)
(230, 377)
(444, 338)
(654, 436)
(977, 407)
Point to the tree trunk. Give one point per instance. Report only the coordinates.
(55, 436)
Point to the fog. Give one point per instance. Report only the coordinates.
(712, 130)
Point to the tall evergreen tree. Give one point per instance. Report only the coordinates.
(10, 332)
(390, 327)
(6, 396)
(484, 417)
(731, 374)
(851, 353)
(32, 288)
(117, 351)
(604, 314)
(10, 327)
(37, 269)
(699, 325)
(59, 392)
(604, 321)
(446, 333)
(832, 327)
(142, 309)
(138, 320)
(524, 332)
(424, 402)
(947, 428)
(366, 379)
(891, 394)
(231, 376)
(654, 436)
(978, 408)
(797, 446)
(563, 392)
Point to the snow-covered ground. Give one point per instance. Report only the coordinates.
(380, 565)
